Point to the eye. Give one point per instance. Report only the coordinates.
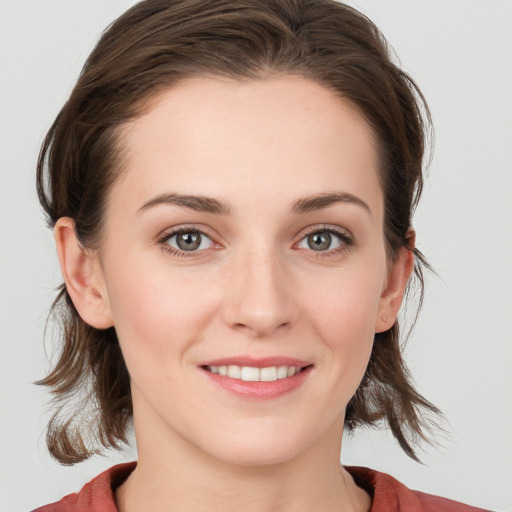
(324, 240)
(189, 241)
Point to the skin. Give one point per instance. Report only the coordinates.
(255, 287)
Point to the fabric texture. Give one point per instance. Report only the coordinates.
(388, 494)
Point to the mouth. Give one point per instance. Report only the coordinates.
(254, 373)
(258, 379)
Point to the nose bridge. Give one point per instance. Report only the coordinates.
(259, 300)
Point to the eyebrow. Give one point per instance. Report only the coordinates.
(197, 203)
(320, 201)
(214, 206)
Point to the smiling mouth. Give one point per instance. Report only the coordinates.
(255, 374)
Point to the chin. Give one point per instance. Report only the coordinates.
(252, 456)
(259, 449)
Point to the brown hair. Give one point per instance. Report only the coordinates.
(152, 46)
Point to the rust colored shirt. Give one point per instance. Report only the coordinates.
(388, 494)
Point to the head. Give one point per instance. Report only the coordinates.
(160, 50)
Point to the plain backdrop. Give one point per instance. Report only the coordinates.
(460, 53)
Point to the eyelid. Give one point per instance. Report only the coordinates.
(171, 232)
(330, 228)
(346, 238)
(183, 228)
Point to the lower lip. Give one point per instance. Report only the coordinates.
(260, 390)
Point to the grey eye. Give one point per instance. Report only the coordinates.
(190, 241)
(321, 241)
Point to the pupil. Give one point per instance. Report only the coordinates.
(319, 241)
(188, 241)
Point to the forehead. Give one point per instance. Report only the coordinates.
(281, 137)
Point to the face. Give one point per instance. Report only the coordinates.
(243, 266)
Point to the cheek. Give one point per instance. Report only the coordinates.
(157, 315)
(347, 303)
(344, 318)
(349, 332)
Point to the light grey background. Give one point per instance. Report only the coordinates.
(460, 52)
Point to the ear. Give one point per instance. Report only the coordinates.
(83, 276)
(396, 283)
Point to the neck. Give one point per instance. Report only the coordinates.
(175, 475)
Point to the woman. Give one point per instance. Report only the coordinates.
(231, 187)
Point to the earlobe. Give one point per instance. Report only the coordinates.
(396, 283)
(82, 275)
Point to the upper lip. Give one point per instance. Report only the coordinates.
(257, 362)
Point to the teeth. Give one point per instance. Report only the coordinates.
(252, 374)
(282, 372)
(233, 371)
(268, 374)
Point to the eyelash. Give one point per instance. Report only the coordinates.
(162, 241)
(346, 241)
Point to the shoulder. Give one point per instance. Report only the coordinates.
(95, 496)
(389, 495)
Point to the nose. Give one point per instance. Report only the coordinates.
(258, 295)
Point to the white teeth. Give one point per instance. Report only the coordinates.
(282, 372)
(252, 374)
(234, 371)
(268, 374)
